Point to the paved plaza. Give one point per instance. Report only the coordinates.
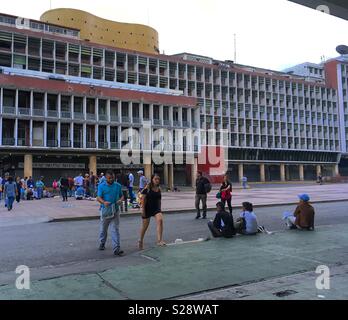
(173, 202)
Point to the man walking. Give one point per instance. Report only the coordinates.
(39, 188)
(64, 187)
(110, 197)
(203, 186)
(142, 180)
(130, 186)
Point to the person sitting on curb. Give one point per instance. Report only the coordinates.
(247, 222)
(222, 226)
(303, 217)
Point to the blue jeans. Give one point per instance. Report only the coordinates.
(130, 192)
(39, 193)
(10, 201)
(244, 184)
(115, 233)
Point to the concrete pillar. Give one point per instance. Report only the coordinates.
(28, 165)
(282, 172)
(93, 164)
(301, 172)
(319, 170)
(262, 173)
(194, 169)
(166, 176)
(171, 176)
(148, 171)
(336, 170)
(240, 172)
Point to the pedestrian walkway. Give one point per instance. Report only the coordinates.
(185, 269)
(56, 210)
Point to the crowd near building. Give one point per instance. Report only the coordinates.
(72, 84)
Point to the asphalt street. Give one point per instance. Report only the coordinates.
(73, 245)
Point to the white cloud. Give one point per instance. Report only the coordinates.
(272, 33)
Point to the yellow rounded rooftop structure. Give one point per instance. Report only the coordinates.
(105, 32)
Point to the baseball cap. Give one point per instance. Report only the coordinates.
(304, 197)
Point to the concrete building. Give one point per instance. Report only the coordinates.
(65, 103)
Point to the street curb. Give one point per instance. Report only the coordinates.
(211, 209)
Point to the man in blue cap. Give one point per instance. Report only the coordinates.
(303, 217)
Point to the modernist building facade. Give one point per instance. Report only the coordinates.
(66, 101)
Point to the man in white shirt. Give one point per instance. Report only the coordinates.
(78, 180)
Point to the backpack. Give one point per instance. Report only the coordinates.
(207, 187)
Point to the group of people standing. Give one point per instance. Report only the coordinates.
(20, 189)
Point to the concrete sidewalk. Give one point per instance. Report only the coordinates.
(185, 269)
(56, 210)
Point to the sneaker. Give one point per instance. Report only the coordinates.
(102, 247)
(204, 217)
(118, 252)
(198, 217)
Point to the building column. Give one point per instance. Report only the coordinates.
(194, 169)
(28, 165)
(171, 176)
(166, 175)
(319, 170)
(93, 164)
(301, 172)
(262, 173)
(336, 170)
(240, 172)
(148, 171)
(282, 172)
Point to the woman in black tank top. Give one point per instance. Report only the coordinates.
(152, 208)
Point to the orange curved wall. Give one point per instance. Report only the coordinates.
(105, 32)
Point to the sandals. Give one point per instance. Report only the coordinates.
(161, 244)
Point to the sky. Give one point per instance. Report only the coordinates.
(273, 34)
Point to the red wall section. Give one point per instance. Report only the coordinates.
(331, 74)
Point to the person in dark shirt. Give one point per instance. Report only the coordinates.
(64, 187)
(223, 225)
(151, 207)
(201, 194)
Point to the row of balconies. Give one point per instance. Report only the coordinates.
(68, 115)
(103, 145)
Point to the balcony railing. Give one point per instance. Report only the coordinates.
(186, 124)
(38, 143)
(90, 116)
(103, 117)
(8, 110)
(91, 144)
(166, 123)
(79, 116)
(78, 144)
(103, 145)
(24, 111)
(65, 143)
(115, 145)
(39, 112)
(52, 113)
(22, 142)
(8, 141)
(115, 118)
(66, 114)
(52, 143)
(125, 119)
(136, 120)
